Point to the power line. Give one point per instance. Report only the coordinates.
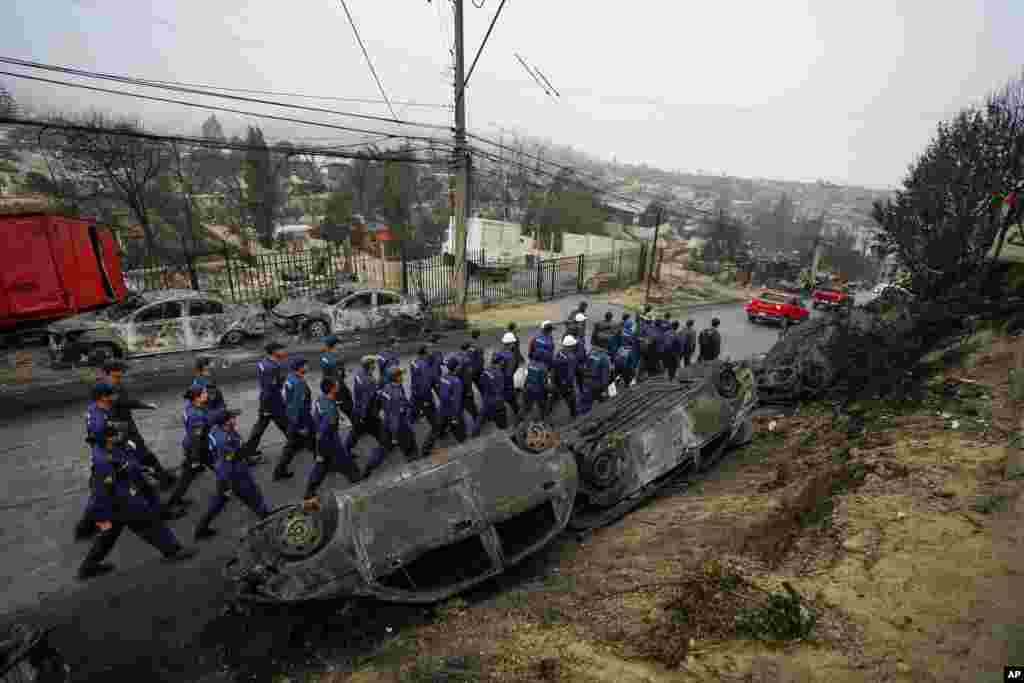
(208, 107)
(361, 100)
(129, 80)
(212, 144)
(490, 28)
(373, 71)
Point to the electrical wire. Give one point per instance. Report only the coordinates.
(487, 35)
(213, 144)
(208, 107)
(129, 80)
(361, 100)
(369, 63)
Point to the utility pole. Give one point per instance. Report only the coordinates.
(461, 208)
(654, 255)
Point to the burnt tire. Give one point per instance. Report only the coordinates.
(100, 353)
(317, 329)
(727, 384)
(233, 338)
(603, 469)
(814, 375)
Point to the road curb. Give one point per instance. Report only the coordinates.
(230, 366)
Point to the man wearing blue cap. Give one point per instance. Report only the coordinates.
(332, 453)
(271, 374)
(299, 403)
(329, 362)
(233, 474)
(118, 501)
(195, 444)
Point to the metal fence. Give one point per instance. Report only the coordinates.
(257, 278)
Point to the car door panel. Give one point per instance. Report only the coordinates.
(207, 323)
(159, 328)
(388, 307)
(352, 313)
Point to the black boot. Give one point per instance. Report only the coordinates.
(181, 554)
(203, 529)
(92, 570)
(166, 479)
(85, 530)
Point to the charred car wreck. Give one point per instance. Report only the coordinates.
(438, 526)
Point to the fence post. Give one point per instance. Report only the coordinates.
(405, 270)
(227, 268)
(579, 272)
(540, 280)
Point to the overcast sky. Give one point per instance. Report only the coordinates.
(789, 89)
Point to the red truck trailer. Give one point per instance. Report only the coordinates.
(53, 267)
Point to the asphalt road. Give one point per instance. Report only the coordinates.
(147, 617)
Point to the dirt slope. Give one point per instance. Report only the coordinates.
(902, 540)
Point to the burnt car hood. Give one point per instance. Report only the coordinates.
(80, 323)
(289, 308)
(365, 535)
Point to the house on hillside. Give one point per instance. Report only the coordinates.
(367, 235)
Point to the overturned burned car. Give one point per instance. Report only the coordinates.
(416, 534)
(429, 529)
(655, 433)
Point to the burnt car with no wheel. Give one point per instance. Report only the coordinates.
(415, 534)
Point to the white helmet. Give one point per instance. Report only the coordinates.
(546, 323)
(509, 338)
(580, 318)
(569, 341)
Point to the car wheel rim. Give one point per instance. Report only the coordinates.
(317, 329)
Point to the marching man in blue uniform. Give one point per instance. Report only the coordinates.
(298, 407)
(117, 502)
(194, 444)
(596, 377)
(397, 423)
(421, 371)
(564, 375)
(271, 374)
(332, 453)
(540, 356)
(329, 362)
(387, 359)
(233, 474)
(506, 358)
(449, 414)
(364, 402)
(492, 395)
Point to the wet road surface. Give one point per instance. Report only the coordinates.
(148, 616)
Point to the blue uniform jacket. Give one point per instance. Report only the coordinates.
(118, 487)
(329, 364)
(614, 343)
(271, 377)
(299, 402)
(542, 349)
(386, 360)
(664, 339)
(508, 369)
(565, 369)
(450, 393)
(363, 390)
(398, 410)
(328, 428)
(95, 421)
(492, 386)
(598, 370)
(225, 450)
(436, 363)
(197, 427)
(476, 359)
(421, 374)
(675, 346)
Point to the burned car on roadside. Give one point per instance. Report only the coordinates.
(343, 309)
(151, 323)
(414, 534)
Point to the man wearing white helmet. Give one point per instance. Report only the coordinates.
(564, 375)
(577, 328)
(507, 359)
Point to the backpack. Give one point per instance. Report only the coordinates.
(536, 376)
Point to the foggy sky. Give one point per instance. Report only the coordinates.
(789, 89)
